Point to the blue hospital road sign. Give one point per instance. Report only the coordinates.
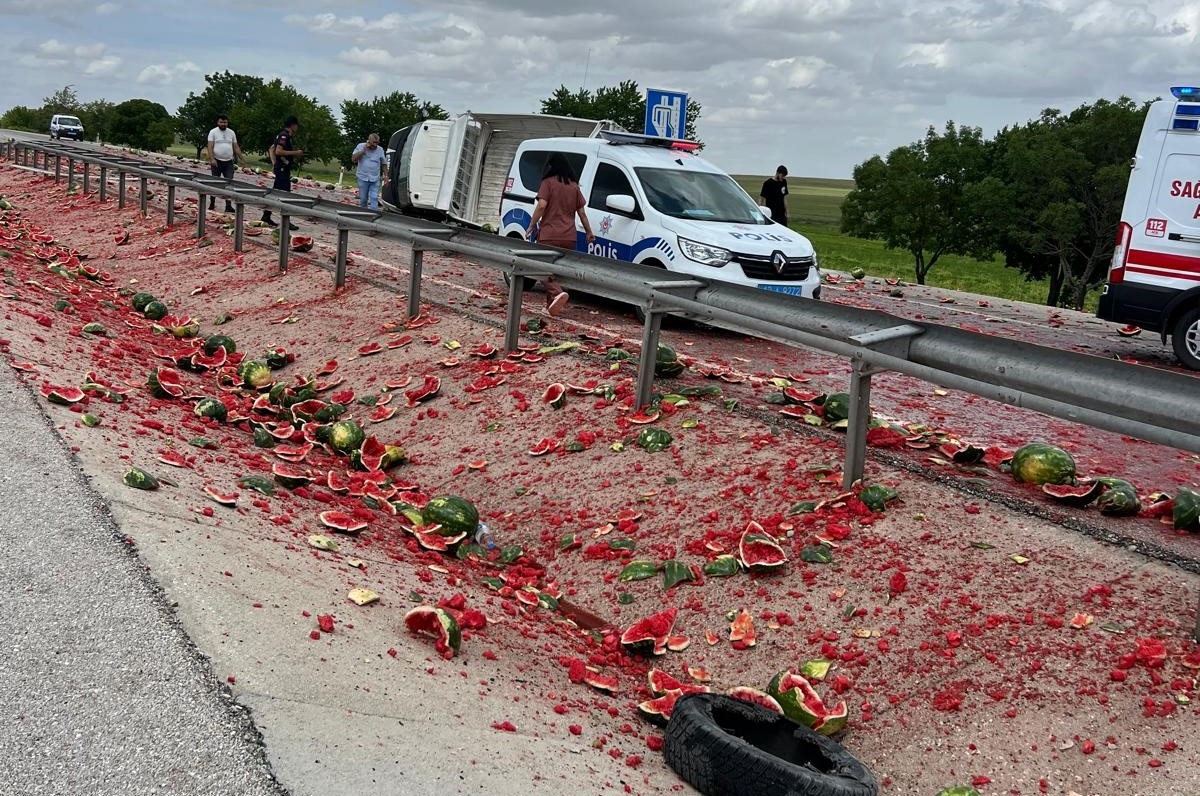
(666, 113)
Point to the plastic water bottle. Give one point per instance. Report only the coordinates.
(484, 536)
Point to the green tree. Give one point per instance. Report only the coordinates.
(65, 100)
(928, 198)
(383, 115)
(226, 93)
(624, 104)
(20, 117)
(1064, 178)
(97, 117)
(319, 135)
(143, 124)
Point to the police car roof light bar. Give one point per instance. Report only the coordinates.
(622, 137)
(1186, 93)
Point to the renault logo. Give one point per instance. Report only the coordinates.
(779, 261)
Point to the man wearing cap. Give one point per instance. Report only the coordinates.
(774, 195)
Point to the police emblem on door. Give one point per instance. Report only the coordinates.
(779, 261)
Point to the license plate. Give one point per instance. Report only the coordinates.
(791, 290)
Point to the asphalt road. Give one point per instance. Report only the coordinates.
(100, 690)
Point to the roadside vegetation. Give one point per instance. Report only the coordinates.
(815, 211)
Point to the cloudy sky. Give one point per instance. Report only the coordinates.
(820, 85)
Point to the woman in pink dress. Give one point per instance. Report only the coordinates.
(559, 202)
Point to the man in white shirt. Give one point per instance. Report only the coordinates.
(369, 156)
(222, 150)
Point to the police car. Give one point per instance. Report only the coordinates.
(654, 201)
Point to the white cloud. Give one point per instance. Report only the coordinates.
(102, 66)
(164, 74)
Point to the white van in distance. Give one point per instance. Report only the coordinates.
(654, 201)
(1154, 280)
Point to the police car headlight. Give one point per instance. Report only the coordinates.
(706, 255)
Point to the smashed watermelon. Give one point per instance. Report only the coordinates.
(757, 550)
(802, 703)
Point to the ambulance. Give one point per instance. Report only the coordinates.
(1154, 279)
(655, 201)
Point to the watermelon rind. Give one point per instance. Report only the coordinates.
(342, 522)
(1119, 498)
(1079, 494)
(761, 698)
(801, 702)
(650, 635)
(255, 374)
(1186, 513)
(438, 624)
(212, 408)
(758, 550)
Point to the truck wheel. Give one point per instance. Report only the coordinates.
(1185, 338)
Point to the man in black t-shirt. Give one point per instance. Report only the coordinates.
(283, 156)
(774, 195)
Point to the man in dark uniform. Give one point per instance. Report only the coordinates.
(774, 195)
(283, 157)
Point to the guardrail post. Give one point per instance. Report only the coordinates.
(103, 182)
(143, 193)
(57, 167)
(121, 189)
(285, 239)
(239, 234)
(650, 331)
(894, 342)
(339, 270)
(170, 205)
(70, 174)
(654, 311)
(416, 262)
(512, 315)
(516, 292)
(859, 418)
(87, 175)
(201, 218)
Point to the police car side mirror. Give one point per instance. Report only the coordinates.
(766, 211)
(621, 202)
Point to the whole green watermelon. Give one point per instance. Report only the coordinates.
(1042, 463)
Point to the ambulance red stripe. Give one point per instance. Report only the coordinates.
(1161, 264)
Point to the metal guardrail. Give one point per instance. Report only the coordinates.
(1154, 405)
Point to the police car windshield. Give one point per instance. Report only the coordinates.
(700, 196)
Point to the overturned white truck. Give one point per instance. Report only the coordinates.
(455, 168)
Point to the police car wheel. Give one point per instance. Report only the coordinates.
(1185, 338)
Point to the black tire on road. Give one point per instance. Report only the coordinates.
(724, 746)
(1185, 338)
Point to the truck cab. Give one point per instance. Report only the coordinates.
(1154, 279)
(656, 202)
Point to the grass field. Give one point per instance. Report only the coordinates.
(321, 170)
(815, 211)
